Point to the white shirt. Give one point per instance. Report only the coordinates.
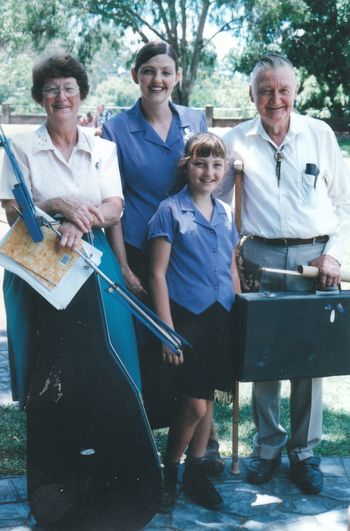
(295, 208)
(90, 174)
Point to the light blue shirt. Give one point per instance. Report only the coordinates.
(147, 163)
(199, 270)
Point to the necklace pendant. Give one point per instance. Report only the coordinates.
(279, 156)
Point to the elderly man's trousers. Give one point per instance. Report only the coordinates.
(306, 394)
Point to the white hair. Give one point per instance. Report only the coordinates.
(270, 61)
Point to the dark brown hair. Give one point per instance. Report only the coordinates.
(58, 65)
(152, 48)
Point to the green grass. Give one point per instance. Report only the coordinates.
(12, 441)
(336, 420)
(336, 426)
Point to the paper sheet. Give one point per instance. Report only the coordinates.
(56, 276)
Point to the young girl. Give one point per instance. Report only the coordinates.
(193, 281)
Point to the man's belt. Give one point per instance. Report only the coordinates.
(292, 241)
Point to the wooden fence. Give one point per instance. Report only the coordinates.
(339, 125)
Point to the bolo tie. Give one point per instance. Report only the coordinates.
(278, 156)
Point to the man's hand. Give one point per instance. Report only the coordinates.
(329, 270)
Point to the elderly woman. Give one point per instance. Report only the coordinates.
(61, 362)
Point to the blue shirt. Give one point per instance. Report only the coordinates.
(147, 163)
(199, 271)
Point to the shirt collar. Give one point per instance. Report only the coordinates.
(295, 127)
(42, 140)
(187, 205)
(138, 121)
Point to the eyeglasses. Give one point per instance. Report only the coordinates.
(54, 90)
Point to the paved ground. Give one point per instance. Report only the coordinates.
(277, 506)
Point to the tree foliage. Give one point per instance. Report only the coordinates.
(315, 36)
(182, 23)
(185, 24)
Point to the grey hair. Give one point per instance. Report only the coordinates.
(270, 61)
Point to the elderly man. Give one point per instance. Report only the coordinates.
(295, 210)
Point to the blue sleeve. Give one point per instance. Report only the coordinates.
(203, 127)
(235, 235)
(162, 224)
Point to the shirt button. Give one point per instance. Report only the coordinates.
(212, 231)
(214, 250)
(215, 269)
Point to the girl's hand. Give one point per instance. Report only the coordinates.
(168, 356)
(71, 235)
(133, 283)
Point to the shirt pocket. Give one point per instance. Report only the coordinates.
(310, 189)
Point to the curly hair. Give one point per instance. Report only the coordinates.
(58, 65)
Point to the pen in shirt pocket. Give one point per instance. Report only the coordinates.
(312, 169)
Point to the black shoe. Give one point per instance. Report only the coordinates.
(170, 489)
(307, 475)
(199, 489)
(213, 463)
(260, 470)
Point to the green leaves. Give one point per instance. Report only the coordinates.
(315, 37)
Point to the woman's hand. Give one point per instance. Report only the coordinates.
(133, 283)
(169, 356)
(82, 214)
(71, 235)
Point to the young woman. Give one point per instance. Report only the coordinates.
(193, 280)
(150, 139)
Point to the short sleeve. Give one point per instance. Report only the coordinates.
(163, 224)
(110, 131)
(7, 176)
(235, 235)
(7, 179)
(203, 126)
(109, 180)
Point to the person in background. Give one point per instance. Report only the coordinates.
(101, 116)
(87, 120)
(150, 139)
(296, 210)
(193, 280)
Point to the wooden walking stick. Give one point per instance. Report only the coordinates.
(238, 175)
